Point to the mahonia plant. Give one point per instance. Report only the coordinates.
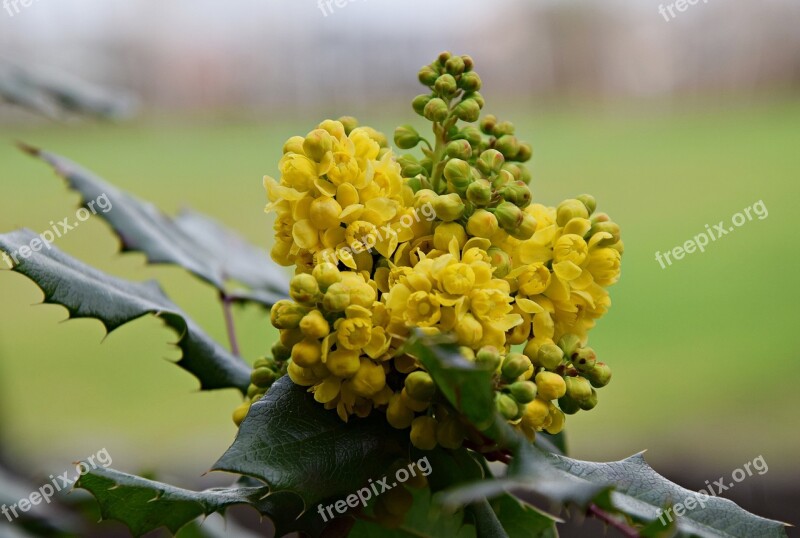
(436, 314)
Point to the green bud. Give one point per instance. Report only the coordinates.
(443, 57)
(508, 145)
(418, 183)
(500, 260)
(503, 179)
(503, 128)
(525, 174)
(469, 63)
(349, 123)
(506, 406)
(458, 174)
(518, 193)
(304, 289)
(523, 391)
(280, 352)
(326, 274)
(406, 137)
(514, 169)
(471, 134)
(570, 209)
(590, 402)
(262, 377)
(578, 388)
(487, 123)
(525, 152)
(448, 207)
(427, 75)
(514, 365)
(252, 390)
(600, 375)
(584, 359)
(468, 110)
(459, 149)
(286, 314)
(337, 298)
(478, 98)
(489, 357)
(526, 228)
(470, 82)
(568, 405)
(410, 166)
(455, 65)
(317, 144)
(419, 103)
(479, 193)
(509, 216)
(446, 85)
(427, 164)
(490, 162)
(589, 201)
(607, 227)
(550, 356)
(436, 110)
(420, 386)
(569, 344)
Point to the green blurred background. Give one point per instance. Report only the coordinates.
(705, 369)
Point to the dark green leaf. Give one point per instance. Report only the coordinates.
(89, 293)
(294, 444)
(520, 520)
(486, 523)
(197, 243)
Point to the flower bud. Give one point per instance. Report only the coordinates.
(487, 123)
(489, 358)
(589, 201)
(436, 110)
(514, 365)
(551, 386)
(569, 344)
(506, 406)
(471, 134)
(584, 359)
(470, 82)
(589, 403)
(262, 377)
(420, 386)
(578, 388)
(525, 152)
(280, 352)
(413, 403)
(443, 57)
(458, 174)
(446, 85)
(526, 228)
(490, 162)
(557, 420)
(410, 165)
(427, 75)
(568, 405)
(419, 102)
(571, 209)
(509, 216)
(294, 145)
(450, 433)
(508, 145)
(459, 149)
(317, 144)
(289, 337)
(369, 379)
(286, 314)
(518, 193)
(500, 260)
(600, 375)
(550, 356)
(503, 128)
(326, 275)
(455, 65)
(482, 224)
(336, 298)
(445, 232)
(523, 391)
(477, 97)
(468, 110)
(448, 207)
(349, 123)
(304, 289)
(314, 325)
(307, 352)
(406, 137)
(397, 414)
(607, 227)
(469, 63)
(479, 193)
(240, 413)
(423, 433)
(325, 213)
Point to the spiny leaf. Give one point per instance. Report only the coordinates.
(293, 443)
(88, 293)
(195, 242)
(520, 520)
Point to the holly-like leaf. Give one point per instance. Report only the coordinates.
(89, 293)
(520, 520)
(197, 243)
(293, 443)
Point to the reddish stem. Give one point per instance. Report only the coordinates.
(624, 529)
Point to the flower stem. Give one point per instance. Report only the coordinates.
(623, 528)
(229, 324)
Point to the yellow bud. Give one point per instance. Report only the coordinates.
(317, 144)
(240, 413)
(412, 403)
(307, 352)
(423, 433)
(349, 123)
(315, 325)
(337, 298)
(571, 209)
(450, 433)
(343, 362)
(448, 207)
(551, 386)
(326, 275)
(536, 413)
(304, 289)
(482, 224)
(294, 145)
(325, 212)
(286, 314)
(397, 414)
(420, 386)
(557, 420)
(445, 232)
(369, 380)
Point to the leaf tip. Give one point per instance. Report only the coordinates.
(27, 148)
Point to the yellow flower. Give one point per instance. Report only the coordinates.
(423, 309)
(354, 334)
